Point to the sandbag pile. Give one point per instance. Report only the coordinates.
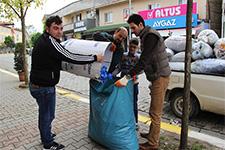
(208, 53)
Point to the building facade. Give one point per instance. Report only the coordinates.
(87, 16)
(10, 31)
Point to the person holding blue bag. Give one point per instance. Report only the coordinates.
(111, 120)
(128, 61)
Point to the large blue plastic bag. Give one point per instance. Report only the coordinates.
(112, 121)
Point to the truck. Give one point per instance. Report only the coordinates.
(207, 93)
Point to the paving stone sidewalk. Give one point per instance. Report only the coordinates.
(18, 120)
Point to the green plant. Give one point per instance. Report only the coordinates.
(9, 41)
(18, 58)
(34, 38)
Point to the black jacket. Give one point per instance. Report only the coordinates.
(117, 55)
(47, 56)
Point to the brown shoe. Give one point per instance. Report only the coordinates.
(144, 135)
(146, 146)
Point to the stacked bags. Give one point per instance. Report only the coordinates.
(206, 50)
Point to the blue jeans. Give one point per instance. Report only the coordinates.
(135, 102)
(45, 97)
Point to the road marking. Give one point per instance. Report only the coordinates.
(144, 119)
(9, 73)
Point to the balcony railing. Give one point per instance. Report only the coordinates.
(68, 27)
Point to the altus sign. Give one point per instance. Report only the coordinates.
(169, 17)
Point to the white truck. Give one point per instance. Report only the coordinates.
(207, 93)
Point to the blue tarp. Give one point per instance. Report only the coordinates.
(112, 121)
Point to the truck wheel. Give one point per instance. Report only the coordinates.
(176, 104)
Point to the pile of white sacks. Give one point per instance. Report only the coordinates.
(208, 53)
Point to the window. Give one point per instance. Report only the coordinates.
(90, 14)
(108, 17)
(78, 17)
(153, 6)
(182, 2)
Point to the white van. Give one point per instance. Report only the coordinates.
(207, 93)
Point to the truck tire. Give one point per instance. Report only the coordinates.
(176, 104)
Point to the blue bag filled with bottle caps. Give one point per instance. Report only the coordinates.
(112, 121)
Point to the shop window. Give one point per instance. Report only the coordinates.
(78, 17)
(108, 17)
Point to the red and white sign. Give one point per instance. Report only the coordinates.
(178, 10)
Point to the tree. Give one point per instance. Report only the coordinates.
(18, 9)
(187, 81)
(34, 38)
(9, 41)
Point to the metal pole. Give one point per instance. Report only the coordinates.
(129, 15)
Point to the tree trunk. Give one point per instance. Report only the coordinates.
(215, 19)
(24, 47)
(187, 81)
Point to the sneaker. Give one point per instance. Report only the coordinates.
(54, 146)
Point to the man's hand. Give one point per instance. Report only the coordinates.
(113, 47)
(100, 58)
(122, 82)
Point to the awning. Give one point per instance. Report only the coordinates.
(106, 28)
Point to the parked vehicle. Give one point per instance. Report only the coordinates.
(207, 93)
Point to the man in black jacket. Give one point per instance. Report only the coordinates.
(117, 40)
(154, 62)
(47, 56)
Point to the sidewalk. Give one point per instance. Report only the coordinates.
(18, 122)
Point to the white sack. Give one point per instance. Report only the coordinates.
(179, 57)
(201, 50)
(87, 47)
(169, 53)
(219, 49)
(208, 36)
(176, 43)
(177, 66)
(216, 66)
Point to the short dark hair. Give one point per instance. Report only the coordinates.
(53, 19)
(136, 19)
(134, 41)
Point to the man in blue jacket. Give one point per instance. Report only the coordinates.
(47, 56)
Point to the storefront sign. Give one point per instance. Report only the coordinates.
(84, 25)
(170, 22)
(178, 10)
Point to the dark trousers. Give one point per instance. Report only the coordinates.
(136, 102)
(45, 98)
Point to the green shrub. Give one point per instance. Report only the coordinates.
(9, 41)
(34, 38)
(18, 58)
